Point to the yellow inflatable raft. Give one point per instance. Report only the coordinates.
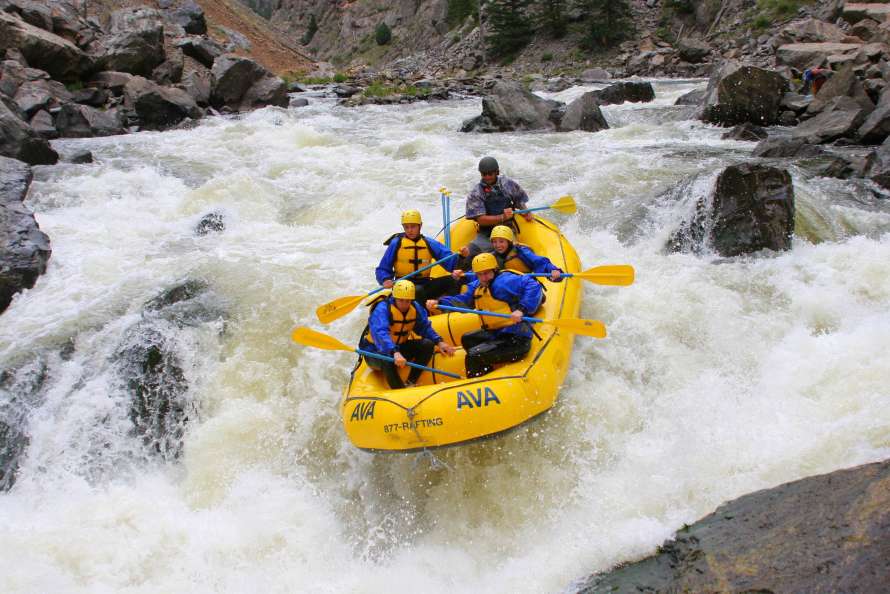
(442, 411)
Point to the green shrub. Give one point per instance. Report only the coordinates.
(781, 8)
(310, 31)
(340, 77)
(459, 10)
(382, 34)
(547, 57)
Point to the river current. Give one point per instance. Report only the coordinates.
(719, 376)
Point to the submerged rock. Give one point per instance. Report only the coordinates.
(751, 208)
(827, 533)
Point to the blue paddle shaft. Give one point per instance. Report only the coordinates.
(417, 365)
(525, 210)
(547, 274)
(488, 313)
(419, 270)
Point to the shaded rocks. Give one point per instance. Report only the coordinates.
(202, 49)
(694, 97)
(212, 222)
(19, 141)
(137, 46)
(827, 533)
(190, 17)
(750, 208)
(508, 106)
(775, 147)
(241, 84)
(808, 55)
(83, 121)
(25, 248)
(840, 118)
(738, 94)
(877, 165)
(693, 50)
(745, 131)
(157, 107)
(634, 92)
(42, 49)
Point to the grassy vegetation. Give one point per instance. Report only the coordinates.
(547, 57)
(290, 77)
(781, 8)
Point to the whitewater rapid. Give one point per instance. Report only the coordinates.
(719, 377)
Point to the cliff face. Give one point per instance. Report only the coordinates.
(346, 29)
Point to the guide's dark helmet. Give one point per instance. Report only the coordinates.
(488, 165)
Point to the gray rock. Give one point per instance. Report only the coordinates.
(633, 92)
(788, 118)
(876, 126)
(840, 118)
(170, 71)
(135, 51)
(811, 31)
(827, 533)
(112, 81)
(584, 114)
(33, 13)
(157, 107)
(79, 157)
(298, 102)
(877, 166)
(198, 84)
(751, 209)
(507, 106)
(796, 102)
(91, 96)
(694, 97)
(190, 17)
(19, 141)
(808, 55)
(202, 49)
(693, 50)
(746, 131)
(841, 84)
(25, 248)
(595, 74)
(42, 49)
(234, 78)
(83, 121)
(42, 124)
(776, 147)
(737, 94)
(212, 222)
(865, 29)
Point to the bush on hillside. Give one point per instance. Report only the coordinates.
(382, 34)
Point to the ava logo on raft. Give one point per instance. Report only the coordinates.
(481, 397)
(363, 411)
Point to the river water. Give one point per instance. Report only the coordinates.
(719, 377)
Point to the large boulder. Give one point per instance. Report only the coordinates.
(241, 84)
(83, 121)
(693, 50)
(811, 30)
(778, 147)
(25, 248)
(853, 12)
(584, 114)
(189, 16)
(751, 208)
(198, 84)
(19, 141)
(202, 49)
(136, 45)
(32, 96)
(826, 533)
(738, 94)
(42, 49)
(877, 165)
(693, 97)
(111, 81)
(159, 107)
(876, 126)
(34, 13)
(633, 92)
(841, 118)
(507, 106)
(809, 55)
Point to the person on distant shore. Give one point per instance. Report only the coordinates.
(399, 327)
(409, 251)
(490, 203)
(814, 78)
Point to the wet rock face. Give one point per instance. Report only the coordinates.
(18, 140)
(20, 393)
(25, 248)
(633, 92)
(241, 84)
(152, 369)
(751, 208)
(828, 533)
(584, 113)
(738, 94)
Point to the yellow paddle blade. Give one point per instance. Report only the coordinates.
(619, 275)
(337, 308)
(565, 205)
(319, 340)
(593, 328)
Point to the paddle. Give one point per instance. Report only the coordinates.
(565, 205)
(593, 328)
(446, 215)
(319, 340)
(338, 308)
(619, 275)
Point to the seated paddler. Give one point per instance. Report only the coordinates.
(400, 328)
(518, 257)
(501, 340)
(409, 251)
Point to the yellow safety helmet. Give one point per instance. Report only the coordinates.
(411, 217)
(403, 289)
(503, 232)
(484, 262)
